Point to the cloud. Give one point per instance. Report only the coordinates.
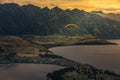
(111, 9)
(1, 1)
(53, 5)
(88, 5)
(72, 0)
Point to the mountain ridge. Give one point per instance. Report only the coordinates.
(33, 20)
(112, 16)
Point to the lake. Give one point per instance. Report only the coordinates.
(26, 71)
(100, 56)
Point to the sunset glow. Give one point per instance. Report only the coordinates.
(88, 5)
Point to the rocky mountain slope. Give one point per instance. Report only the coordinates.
(33, 20)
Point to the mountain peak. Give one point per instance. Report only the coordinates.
(45, 8)
(101, 12)
(75, 9)
(57, 8)
(31, 6)
(10, 5)
(67, 10)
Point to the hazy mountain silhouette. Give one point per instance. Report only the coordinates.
(33, 20)
(111, 16)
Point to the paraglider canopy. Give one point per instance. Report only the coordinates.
(72, 25)
(71, 29)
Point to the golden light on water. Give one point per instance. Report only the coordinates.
(88, 5)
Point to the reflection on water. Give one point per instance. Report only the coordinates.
(26, 71)
(101, 56)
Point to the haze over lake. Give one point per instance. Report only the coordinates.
(100, 56)
(26, 71)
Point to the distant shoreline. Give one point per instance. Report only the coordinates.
(49, 57)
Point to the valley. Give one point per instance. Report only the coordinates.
(35, 50)
(42, 43)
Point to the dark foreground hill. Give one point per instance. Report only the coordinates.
(82, 72)
(33, 20)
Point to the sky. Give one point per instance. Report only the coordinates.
(107, 6)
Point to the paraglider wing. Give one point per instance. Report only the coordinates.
(72, 25)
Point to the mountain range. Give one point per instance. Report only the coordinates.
(33, 20)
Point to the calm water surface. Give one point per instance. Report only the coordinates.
(100, 56)
(26, 71)
(106, 57)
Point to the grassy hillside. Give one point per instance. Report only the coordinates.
(57, 40)
(35, 45)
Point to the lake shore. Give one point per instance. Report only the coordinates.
(38, 46)
(50, 58)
